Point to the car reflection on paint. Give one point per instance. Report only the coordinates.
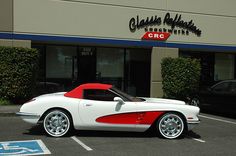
(103, 107)
(220, 97)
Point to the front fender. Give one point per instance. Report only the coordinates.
(32, 111)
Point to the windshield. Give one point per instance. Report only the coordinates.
(126, 96)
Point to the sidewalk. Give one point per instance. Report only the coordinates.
(9, 110)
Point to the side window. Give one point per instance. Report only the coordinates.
(98, 94)
(222, 87)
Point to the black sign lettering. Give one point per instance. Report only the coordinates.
(186, 26)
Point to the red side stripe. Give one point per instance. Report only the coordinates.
(146, 118)
(149, 117)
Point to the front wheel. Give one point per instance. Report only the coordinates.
(57, 123)
(195, 102)
(170, 125)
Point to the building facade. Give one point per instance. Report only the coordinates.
(121, 42)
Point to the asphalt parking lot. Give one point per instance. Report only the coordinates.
(214, 136)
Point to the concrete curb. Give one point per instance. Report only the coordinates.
(9, 110)
(7, 114)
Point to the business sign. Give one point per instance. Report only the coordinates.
(168, 24)
(159, 36)
(30, 147)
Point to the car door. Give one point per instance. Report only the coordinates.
(99, 111)
(231, 95)
(221, 96)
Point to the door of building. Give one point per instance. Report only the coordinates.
(86, 65)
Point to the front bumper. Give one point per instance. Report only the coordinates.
(29, 117)
(192, 124)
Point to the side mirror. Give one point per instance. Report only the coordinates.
(119, 100)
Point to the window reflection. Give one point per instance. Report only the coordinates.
(110, 66)
(59, 61)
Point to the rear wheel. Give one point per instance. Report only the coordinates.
(170, 125)
(57, 123)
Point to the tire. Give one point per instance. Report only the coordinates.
(57, 123)
(170, 126)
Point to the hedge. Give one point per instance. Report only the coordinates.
(17, 73)
(180, 76)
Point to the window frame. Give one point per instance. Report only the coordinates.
(226, 89)
(98, 90)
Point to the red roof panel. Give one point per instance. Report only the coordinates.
(78, 92)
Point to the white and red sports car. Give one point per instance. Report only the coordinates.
(103, 107)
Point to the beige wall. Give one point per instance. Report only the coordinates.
(214, 7)
(15, 43)
(6, 15)
(110, 19)
(210, 7)
(151, 4)
(156, 80)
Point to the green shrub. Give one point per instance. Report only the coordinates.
(4, 102)
(17, 73)
(180, 77)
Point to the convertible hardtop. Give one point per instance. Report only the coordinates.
(78, 91)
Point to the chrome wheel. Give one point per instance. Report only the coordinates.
(170, 126)
(56, 123)
(195, 102)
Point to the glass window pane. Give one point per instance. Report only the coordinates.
(110, 62)
(224, 67)
(59, 61)
(138, 65)
(100, 95)
(110, 66)
(41, 50)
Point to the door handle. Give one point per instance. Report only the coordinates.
(88, 104)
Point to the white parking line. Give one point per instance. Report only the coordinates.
(199, 140)
(216, 119)
(81, 144)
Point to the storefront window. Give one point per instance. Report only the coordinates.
(61, 68)
(138, 64)
(59, 61)
(65, 67)
(207, 65)
(110, 66)
(224, 66)
(41, 70)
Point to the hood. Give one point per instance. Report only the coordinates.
(164, 101)
(52, 94)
